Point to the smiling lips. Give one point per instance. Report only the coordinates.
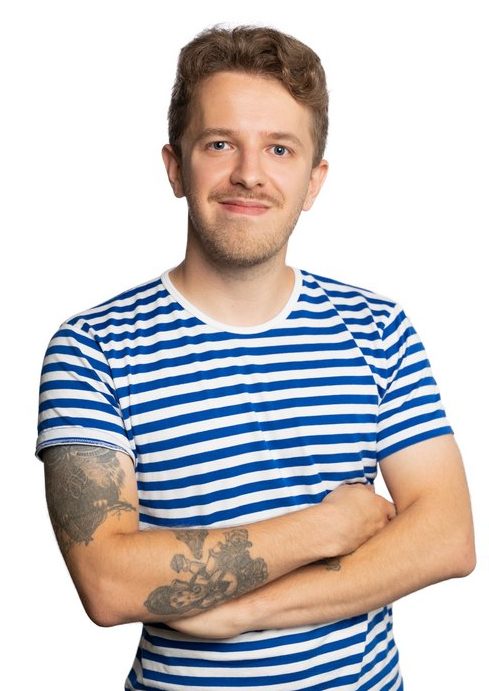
(249, 207)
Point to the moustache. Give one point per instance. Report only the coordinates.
(250, 196)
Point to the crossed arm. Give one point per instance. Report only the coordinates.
(430, 539)
(191, 578)
(125, 574)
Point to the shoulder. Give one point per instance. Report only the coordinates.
(352, 302)
(121, 309)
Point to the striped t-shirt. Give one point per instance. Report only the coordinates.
(231, 425)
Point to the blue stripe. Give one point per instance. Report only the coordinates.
(320, 299)
(285, 659)
(97, 365)
(201, 520)
(151, 331)
(410, 422)
(258, 387)
(79, 385)
(384, 671)
(243, 489)
(254, 425)
(348, 308)
(202, 373)
(126, 294)
(405, 392)
(83, 404)
(414, 439)
(84, 372)
(311, 461)
(322, 686)
(281, 638)
(420, 368)
(260, 445)
(219, 454)
(411, 405)
(221, 336)
(258, 406)
(111, 307)
(91, 423)
(136, 317)
(258, 681)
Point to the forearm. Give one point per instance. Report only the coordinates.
(159, 575)
(124, 574)
(414, 550)
(409, 554)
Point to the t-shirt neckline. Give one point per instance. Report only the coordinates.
(256, 328)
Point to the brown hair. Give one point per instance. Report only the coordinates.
(258, 50)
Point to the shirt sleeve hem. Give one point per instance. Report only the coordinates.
(78, 435)
(409, 441)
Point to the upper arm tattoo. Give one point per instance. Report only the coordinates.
(83, 486)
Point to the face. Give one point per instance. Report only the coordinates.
(246, 168)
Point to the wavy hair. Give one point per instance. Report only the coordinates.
(256, 50)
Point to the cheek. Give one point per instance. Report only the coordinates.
(293, 184)
(205, 174)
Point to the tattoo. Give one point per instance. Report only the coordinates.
(83, 486)
(331, 563)
(194, 539)
(228, 572)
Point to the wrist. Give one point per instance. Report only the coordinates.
(240, 615)
(324, 530)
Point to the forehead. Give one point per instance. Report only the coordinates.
(247, 103)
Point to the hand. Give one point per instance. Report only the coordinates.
(359, 513)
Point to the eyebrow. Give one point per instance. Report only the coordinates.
(224, 132)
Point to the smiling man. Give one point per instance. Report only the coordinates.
(211, 438)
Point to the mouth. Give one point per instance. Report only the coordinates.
(249, 207)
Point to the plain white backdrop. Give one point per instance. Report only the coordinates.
(87, 212)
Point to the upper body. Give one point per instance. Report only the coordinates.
(198, 432)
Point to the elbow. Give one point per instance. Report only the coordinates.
(99, 599)
(101, 615)
(100, 610)
(467, 560)
(462, 560)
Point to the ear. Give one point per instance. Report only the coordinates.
(318, 176)
(174, 169)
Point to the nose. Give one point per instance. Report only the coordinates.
(248, 170)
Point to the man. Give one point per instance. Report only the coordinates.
(211, 437)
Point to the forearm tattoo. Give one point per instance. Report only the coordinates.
(331, 563)
(227, 572)
(83, 486)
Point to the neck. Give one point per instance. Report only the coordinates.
(238, 296)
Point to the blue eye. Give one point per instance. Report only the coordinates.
(217, 146)
(280, 150)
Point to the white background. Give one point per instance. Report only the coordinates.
(87, 212)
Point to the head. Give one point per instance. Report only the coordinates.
(260, 51)
(248, 124)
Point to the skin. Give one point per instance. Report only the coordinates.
(125, 574)
(208, 582)
(431, 539)
(235, 256)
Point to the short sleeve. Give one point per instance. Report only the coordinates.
(78, 402)
(410, 408)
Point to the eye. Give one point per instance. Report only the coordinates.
(217, 146)
(280, 150)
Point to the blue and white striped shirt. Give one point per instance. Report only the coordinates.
(230, 425)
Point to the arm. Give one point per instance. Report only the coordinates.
(125, 574)
(430, 540)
